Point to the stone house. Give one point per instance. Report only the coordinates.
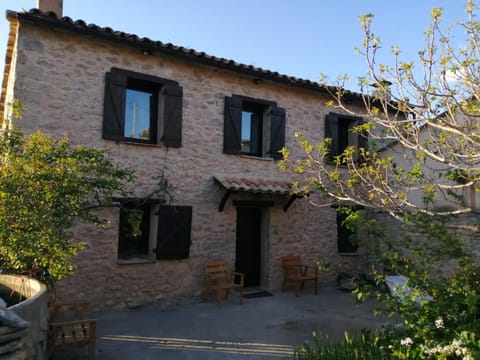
(210, 126)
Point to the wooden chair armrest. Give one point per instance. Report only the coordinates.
(215, 279)
(217, 276)
(238, 275)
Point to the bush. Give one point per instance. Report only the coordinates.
(45, 186)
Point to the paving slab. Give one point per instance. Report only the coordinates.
(262, 328)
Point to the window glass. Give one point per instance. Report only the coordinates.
(343, 135)
(251, 131)
(246, 131)
(138, 114)
(134, 231)
(346, 237)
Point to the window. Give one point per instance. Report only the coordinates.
(340, 129)
(134, 231)
(346, 237)
(253, 127)
(142, 108)
(149, 230)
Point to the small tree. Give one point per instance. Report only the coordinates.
(423, 125)
(46, 186)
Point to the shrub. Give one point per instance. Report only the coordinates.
(45, 186)
(366, 347)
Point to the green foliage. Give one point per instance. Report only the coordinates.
(419, 170)
(366, 347)
(46, 185)
(438, 314)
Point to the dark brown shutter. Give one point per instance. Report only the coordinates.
(114, 105)
(232, 125)
(172, 122)
(277, 135)
(331, 131)
(174, 229)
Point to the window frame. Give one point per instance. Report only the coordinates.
(333, 122)
(166, 109)
(345, 244)
(148, 240)
(169, 231)
(271, 128)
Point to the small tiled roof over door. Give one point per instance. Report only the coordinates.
(234, 184)
(259, 186)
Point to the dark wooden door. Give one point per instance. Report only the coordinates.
(248, 247)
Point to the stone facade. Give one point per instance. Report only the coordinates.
(60, 77)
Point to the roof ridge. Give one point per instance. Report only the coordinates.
(150, 46)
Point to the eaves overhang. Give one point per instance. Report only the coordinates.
(151, 47)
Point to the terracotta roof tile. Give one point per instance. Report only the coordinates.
(79, 26)
(264, 186)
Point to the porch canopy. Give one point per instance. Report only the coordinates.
(234, 184)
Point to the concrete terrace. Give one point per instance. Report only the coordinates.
(262, 328)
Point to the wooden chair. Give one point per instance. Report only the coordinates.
(296, 272)
(71, 326)
(221, 281)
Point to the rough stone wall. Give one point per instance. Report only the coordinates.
(61, 79)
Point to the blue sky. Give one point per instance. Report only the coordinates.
(301, 38)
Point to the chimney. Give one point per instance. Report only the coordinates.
(55, 6)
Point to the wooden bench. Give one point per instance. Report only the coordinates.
(297, 273)
(221, 281)
(70, 326)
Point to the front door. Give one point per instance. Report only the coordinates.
(248, 247)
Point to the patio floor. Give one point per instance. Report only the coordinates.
(262, 328)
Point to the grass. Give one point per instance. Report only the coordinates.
(366, 347)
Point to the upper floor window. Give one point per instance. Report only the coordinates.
(142, 108)
(253, 127)
(340, 129)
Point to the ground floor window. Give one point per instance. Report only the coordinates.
(134, 232)
(346, 237)
(150, 230)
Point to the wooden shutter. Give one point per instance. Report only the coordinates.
(172, 117)
(331, 131)
(114, 105)
(232, 125)
(174, 229)
(277, 135)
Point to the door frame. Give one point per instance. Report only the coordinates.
(264, 248)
